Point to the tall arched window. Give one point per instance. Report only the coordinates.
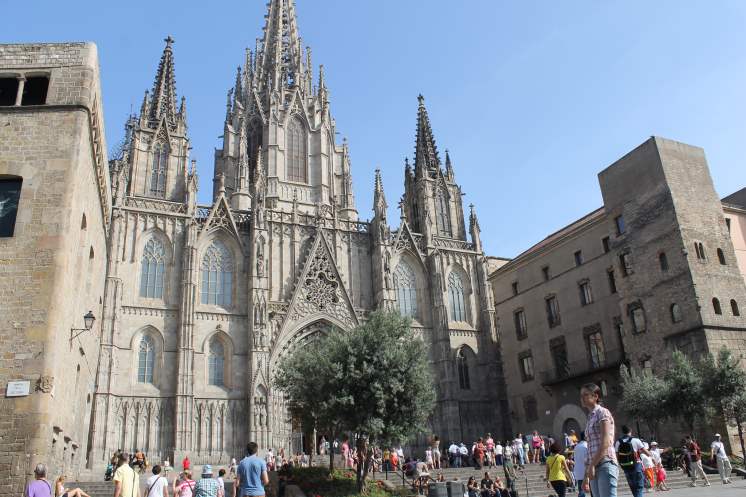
(153, 269)
(158, 170)
(442, 216)
(216, 363)
(217, 275)
(734, 308)
(295, 151)
(721, 257)
(456, 297)
(146, 360)
(716, 306)
(463, 370)
(406, 290)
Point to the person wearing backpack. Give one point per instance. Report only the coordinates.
(628, 449)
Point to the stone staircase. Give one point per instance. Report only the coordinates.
(531, 481)
(106, 488)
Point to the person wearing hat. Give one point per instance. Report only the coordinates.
(717, 452)
(207, 486)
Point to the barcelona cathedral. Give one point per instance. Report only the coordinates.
(202, 302)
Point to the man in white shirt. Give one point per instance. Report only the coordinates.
(498, 453)
(464, 455)
(157, 484)
(579, 456)
(717, 451)
(454, 455)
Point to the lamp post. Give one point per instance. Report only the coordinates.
(88, 320)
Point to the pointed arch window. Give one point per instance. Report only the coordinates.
(406, 290)
(442, 214)
(146, 360)
(463, 370)
(456, 297)
(158, 170)
(217, 275)
(295, 151)
(216, 363)
(153, 270)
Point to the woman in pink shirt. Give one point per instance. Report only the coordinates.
(601, 470)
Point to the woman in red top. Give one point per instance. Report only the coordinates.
(479, 453)
(185, 463)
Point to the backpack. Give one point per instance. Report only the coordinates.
(626, 454)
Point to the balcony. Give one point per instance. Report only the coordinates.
(572, 370)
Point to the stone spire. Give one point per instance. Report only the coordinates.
(279, 60)
(426, 153)
(449, 167)
(163, 96)
(474, 229)
(379, 198)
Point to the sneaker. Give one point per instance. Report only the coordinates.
(707, 484)
(692, 484)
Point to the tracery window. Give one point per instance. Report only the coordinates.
(217, 275)
(463, 370)
(146, 360)
(442, 215)
(153, 269)
(216, 363)
(406, 290)
(295, 152)
(456, 297)
(158, 170)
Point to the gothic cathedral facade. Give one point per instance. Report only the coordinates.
(202, 301)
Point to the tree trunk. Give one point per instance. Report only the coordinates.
(363, 463)
(331, 453)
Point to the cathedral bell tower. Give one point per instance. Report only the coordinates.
(432, 200)
(157, 145)
(274, 104)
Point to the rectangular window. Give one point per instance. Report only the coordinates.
(35, 90)
(625, 261)
(8, 91)
(637, 315)
(545, 273)
(605, 244)
(10, 194)
(530, 409)
(514, 286)
(586, 297)
(519, 318)
(558, 349)
(727, 223)
(578, 258)
(553, 314)
(526, 365)
(620, 227)
(596, 350)
(612, 280)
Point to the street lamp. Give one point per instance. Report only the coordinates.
(88, 320)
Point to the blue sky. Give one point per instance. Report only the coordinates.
(532, 98)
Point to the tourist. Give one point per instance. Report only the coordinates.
(39, 486)
(578, 470)
(518, 450)
(139, 460)
(269, 459)
(717, 452)
(251, 477)
(157, 484)
(601, 470)
(648, 469)
(660, 472)
(221, 479)
(478, 453)
(536, 447)
(472, 488)
(508, 452)
(322, 446)
(435, 446)
(346, 456)
(487, 486)
(557, 471)
(429, 458)
(489, 445)
(126, 480)
(454, 456)
(184, 485)
(463, 455)
(510, 473)
(232, 468)
(628, 450)
(60, 491)
(394, 458)
(498, 454)
(573, 438)
(207, 486)
(695, 455)
(186, 465)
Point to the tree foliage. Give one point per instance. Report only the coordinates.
(684, 391)
(374, 381)
(642, 392)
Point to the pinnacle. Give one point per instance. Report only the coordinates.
(426, 153)
(163, 96)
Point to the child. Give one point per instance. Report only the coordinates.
(648, 467)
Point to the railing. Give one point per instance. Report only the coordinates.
(152, 204)
(611, 358)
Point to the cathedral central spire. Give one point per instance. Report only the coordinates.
(163, 97)
(279, 60)
(426, 153)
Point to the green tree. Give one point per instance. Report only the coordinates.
(642, 394)
(724, 385)
(374, 381)
(684, 392)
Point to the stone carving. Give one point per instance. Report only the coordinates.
(45, 384)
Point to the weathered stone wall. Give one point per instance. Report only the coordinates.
(52, 269)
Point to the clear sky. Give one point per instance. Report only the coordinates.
(532, 98)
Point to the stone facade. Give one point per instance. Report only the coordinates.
(52, 266)
(653, 270)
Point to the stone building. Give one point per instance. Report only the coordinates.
(202, 301)
(653, 270)
(55, 212)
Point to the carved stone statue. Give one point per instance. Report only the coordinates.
(260, 266)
